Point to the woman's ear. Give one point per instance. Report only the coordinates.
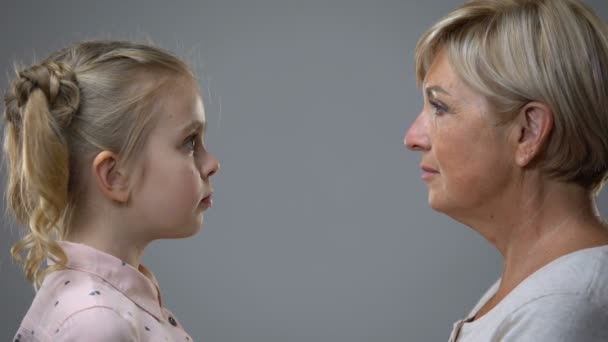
(110, 179)
(534, 124)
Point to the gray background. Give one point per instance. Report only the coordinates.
(321, 230)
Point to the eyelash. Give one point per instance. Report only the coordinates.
(438, 108)
(191, 142)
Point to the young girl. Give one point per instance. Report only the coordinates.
(105, 153)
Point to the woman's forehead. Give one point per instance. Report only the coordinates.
(441, 74)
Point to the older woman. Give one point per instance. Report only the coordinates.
(514, 142)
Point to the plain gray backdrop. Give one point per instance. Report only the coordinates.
(321, 229)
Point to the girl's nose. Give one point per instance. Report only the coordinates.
(210, 166)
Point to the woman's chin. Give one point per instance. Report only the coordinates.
(434, 201)
(439, 205)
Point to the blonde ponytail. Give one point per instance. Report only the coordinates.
(41, 104)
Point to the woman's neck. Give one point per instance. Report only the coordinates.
(540, 226)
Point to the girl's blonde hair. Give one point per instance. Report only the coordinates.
(552, 51)
(81, 100)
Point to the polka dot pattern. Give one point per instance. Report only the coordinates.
(93, 285)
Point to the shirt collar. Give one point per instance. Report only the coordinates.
(139, 285)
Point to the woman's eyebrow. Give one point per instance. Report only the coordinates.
(432, 90)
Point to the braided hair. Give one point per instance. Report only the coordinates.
(59, 113)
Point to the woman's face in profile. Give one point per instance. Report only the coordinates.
(467, 160)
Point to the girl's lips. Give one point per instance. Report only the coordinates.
(207, 201)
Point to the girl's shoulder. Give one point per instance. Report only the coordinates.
(70, 295)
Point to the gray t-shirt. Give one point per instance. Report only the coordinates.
(564, 301)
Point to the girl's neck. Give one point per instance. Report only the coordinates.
(110, 240)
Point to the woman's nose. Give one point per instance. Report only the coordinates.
(416, 138)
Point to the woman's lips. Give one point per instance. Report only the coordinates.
(428, 172)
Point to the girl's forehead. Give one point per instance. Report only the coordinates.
(183, 97)
(179, 105)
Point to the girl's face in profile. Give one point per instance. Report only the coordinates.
(466, 158)
(173, 186)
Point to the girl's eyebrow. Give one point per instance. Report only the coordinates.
(195, 126)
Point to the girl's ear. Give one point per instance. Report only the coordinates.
(534, 124)
(110, 179)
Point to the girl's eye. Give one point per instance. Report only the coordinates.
(438, 109)
(190, 142)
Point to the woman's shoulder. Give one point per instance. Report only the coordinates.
(566, 300)
(570, 292)
(583, 273)
(556, 317)
(552, 317)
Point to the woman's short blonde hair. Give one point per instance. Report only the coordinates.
(552, 51)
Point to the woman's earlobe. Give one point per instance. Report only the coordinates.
(109, 178)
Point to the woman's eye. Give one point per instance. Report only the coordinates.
(438, 108)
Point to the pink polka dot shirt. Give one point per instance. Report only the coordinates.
(99, 298)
